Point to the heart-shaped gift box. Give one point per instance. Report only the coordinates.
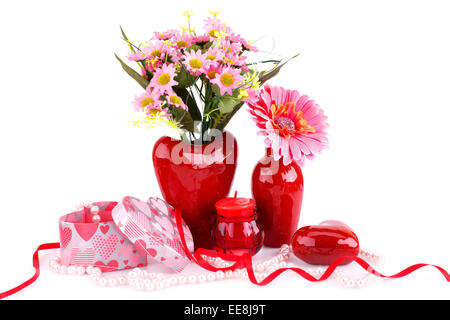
(151, 227)
(129, 233)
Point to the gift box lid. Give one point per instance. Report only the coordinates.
(151, 227)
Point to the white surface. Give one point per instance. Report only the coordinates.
(379, 69)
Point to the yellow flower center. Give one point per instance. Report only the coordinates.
(175, 100)
(213, 33)
(154, 112)
(164, 79)
(195, 63)
(181, 44)
(146, 101)
(156, 53)
(211, 57)
(227, 79)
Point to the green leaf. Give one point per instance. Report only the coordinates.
(269, 75)
(193, 47)
(126, 39)
(222, 124)
(217, 117)
(183, 118)
(227, 103)
(215, 89)
(132, 73)
(184, 94)
(184, 78)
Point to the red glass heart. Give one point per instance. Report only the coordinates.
(323, 243)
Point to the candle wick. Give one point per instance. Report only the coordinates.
(235, 194)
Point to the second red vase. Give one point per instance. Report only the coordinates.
(278, 193)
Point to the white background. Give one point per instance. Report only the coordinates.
(379, 69)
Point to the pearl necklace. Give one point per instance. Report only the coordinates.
(150, 281)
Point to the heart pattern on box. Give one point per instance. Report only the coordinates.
(105, 246)
(112, 265)
(104, 228)
(150, 226)
(126, 250)
(86, 230)
(65, 235)
(99, 244)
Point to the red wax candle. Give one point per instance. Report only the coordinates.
(237, 230)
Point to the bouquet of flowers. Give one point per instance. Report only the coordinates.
(193, 82)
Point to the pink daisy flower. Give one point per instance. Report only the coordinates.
(155, 50)
(163, 79)
(214, 25)
(176, 101)
(201, 39)
(150, 104)
(227, 80)
(195, 62)
(146, 100)
(137, 56)
(237, 38)
(247, 46)
(212, 70)
(294, 126)
(164, 35)
(214, 54)
(236, 60)
(182, 40)
(229, 47)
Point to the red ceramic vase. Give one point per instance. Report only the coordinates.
(278, 193)
(192, 178)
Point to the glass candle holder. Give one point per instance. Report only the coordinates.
(237, 230)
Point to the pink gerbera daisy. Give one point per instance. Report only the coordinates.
(294, 126)
(163, 79)
(228, 80)
(195, 62)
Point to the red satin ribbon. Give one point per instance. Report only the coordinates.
(240, 262)
(45, 246)
(245, 261)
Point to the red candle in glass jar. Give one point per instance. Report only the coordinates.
(237, 230)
